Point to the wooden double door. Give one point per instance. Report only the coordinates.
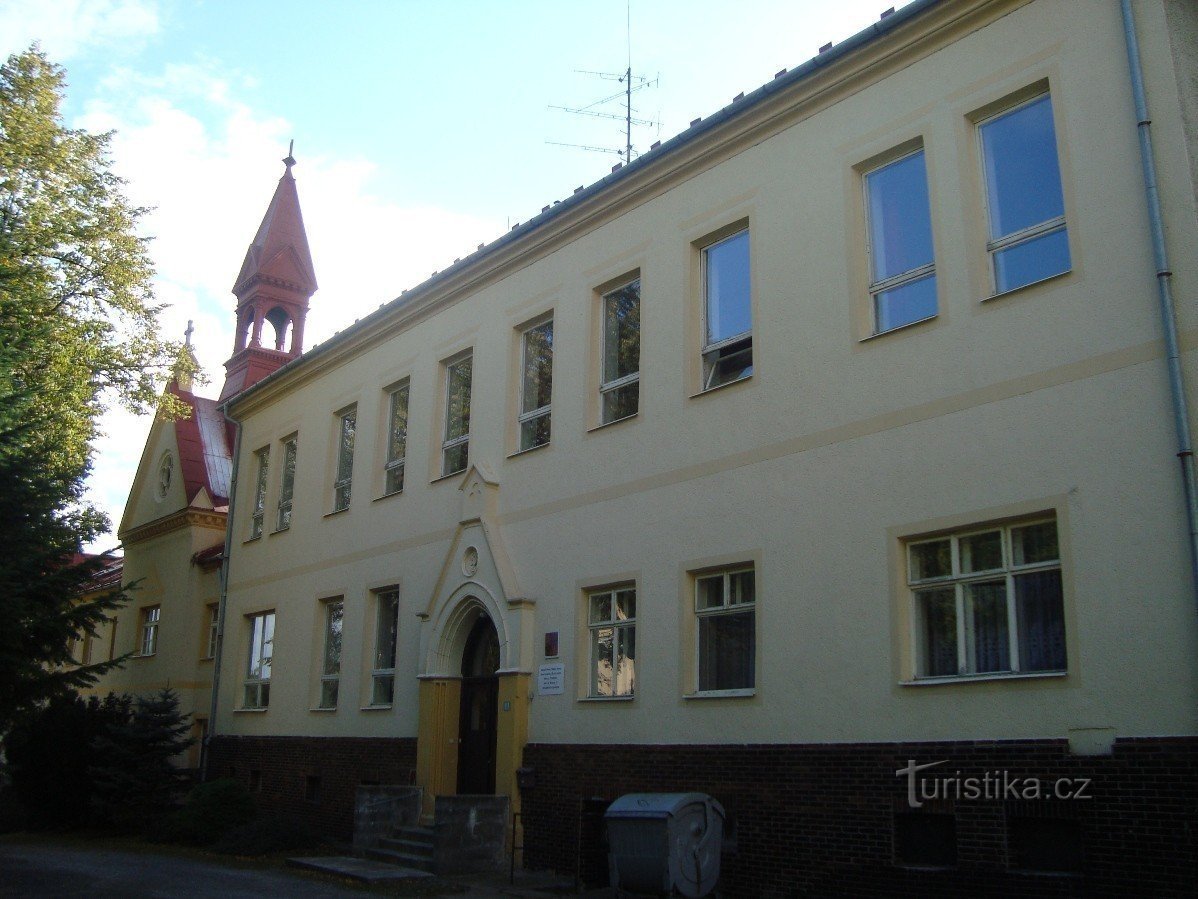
(478, 719)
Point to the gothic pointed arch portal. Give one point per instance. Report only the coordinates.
(475, 665)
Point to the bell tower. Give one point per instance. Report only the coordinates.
(273, 289)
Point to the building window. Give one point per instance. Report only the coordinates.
(346, 429)
(925, 839)
(1054, 845)
(1024, 202)
(455, 448)
(213, 630)
(536, 385)
(902, 268)
(725, 604)
(382, 688)
(620, 380)
(263, 457)
(397, 439)
(611, 617)
(727, 315)
(287, 482)
(150, 618)
(330, 672)
(257, 675)
(988, 601)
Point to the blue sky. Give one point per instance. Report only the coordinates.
(422, 129)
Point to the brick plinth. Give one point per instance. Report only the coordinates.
(820, 820)
(312, 779)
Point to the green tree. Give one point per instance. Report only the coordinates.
(78, 330)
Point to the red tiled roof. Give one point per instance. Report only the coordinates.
(205, 454)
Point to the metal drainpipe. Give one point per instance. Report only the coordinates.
(224, 594)
(1164, 278)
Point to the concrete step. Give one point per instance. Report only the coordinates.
(426, 835)
(402, 859)
(403, 844)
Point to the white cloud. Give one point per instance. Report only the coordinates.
(207, 164)
(67, 28)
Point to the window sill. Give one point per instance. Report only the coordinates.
(710, 390)
(207, 658)
(323, 709)
(618, 421)
(602, 699)
(446, 477)
(250, 711)
(722, 694)
(376, 708)
(531, 449)
(143, 655)
(981, 678)
(248, 540)
(896, 329)
(1006, 293)
(335, 512)
(280, 530)
(379, 499)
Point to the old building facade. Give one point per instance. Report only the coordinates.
(821, 460)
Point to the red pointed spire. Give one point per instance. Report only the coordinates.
(273, 288)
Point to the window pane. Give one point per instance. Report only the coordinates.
(1023, 180)
(600, 608)
(621, 402)
(727, 285)
(933, 559)
(332, 641)
(1031, 261)
(1035, 543)
(287, 487)
(328, 694)
(741, 588)
(903, 305)
(455, 458)
(625, 684)
(397, 438)
(538, 367)
(457, 404)
(383, 692)
(1041, 621)
(622, 332)
(981, 552)
(727, 645)
(710, 592)
(535, 432)
(345, 458)
(987, 644)
(602, 655)
(625, 605)
(937, 611)
(900, 222)
(730, 363)
(388, 623)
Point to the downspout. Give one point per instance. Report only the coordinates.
(224, 593)
(1164, 279)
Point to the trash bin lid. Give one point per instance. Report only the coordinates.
(653, 805)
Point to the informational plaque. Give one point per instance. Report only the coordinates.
(551, 679)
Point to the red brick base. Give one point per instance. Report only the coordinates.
(312, 779)
(820, 820)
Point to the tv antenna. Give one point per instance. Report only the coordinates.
(633, 83)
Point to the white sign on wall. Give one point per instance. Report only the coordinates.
(551, 679)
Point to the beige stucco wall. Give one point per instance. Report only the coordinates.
(1052, 397)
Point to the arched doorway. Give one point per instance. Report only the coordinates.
(479, 710)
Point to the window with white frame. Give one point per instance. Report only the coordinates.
(1024, 201)
(260, 658)
(727, 311)
(259, 513)
(536, 385)
(382, 677)
(151, 616)
(988, 600)
(330, 669)
(899, 225)
(397, 438)
(455, 447)
(725, 609)
(620, 379)
(346, 428)
(611, 620)
(287, 482)
(213, 630)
